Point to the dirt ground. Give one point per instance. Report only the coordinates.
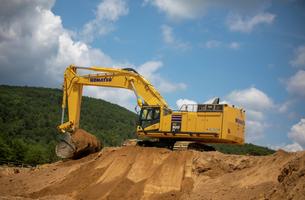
(155, 173)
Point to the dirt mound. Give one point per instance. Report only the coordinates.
(291, 179)
(155, 173)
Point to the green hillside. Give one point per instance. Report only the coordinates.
(246, 149)
(29, 117)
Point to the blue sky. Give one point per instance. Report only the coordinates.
(249, 53)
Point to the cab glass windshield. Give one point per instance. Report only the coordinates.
(149, 116)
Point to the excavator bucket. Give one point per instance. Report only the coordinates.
(78, 144)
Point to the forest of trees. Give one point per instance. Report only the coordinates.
(29, 117)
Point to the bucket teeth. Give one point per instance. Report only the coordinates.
(65, 148)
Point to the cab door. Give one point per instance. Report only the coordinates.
(150, 118)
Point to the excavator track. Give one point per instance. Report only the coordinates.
(189, 145)
(169, 144)
(181, 145)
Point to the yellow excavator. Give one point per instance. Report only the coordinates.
(196, 124)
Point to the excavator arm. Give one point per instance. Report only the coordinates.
(104, 77)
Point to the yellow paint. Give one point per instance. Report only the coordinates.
(218, 127)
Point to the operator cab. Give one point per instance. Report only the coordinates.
(149, 116)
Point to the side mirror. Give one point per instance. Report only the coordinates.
(137, 109)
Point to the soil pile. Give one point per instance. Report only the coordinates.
(155, 173)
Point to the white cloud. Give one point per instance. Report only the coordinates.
(255, 130)
(167, 32)
(169, 38)
(179, 9)
(296, 84)
(297, 133)
(238, 23)
(122, 97)
(191, 9)
(284, 107)
(251, 98)
(234, 45)
(77, 52)
(299, 57)
(256, 103)
(149, 71)
(181, 102)
(111, 10)
(292, 147)
(35, 48)
(212, 44)
(108, 12)
(167, 87)
(149, 68)
(255, 115)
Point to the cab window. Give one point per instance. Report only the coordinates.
(149, 116)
